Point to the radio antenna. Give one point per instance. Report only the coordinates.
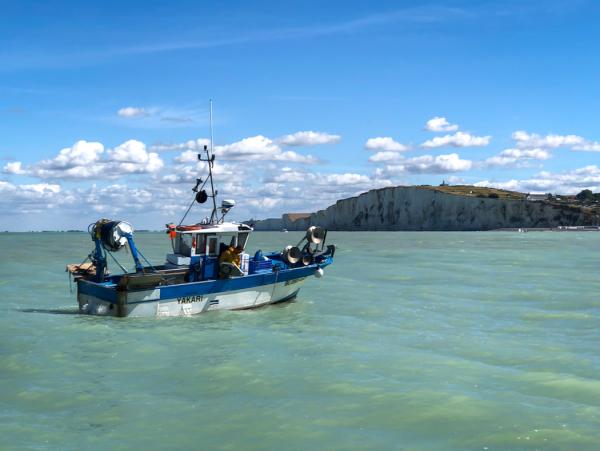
(211, 158)
(211, 128)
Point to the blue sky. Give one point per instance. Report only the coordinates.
(102, 105)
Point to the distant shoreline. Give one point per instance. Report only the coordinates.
(551, 229)
(515, 229)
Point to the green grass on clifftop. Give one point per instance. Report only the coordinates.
(475, 191)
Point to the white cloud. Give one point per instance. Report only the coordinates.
(428, 164)
(84, 160)
(30, 198)
(80, 154)
(264, 203)
(43, 189)
(80, 161)
(131, 151)
(588, 146)
(309, 138)
(291, 177)
(567, 182)
(456, 180)
(189, 169)
(440, 124)
(526, 140)
(294, 157)
(120, 198)
(458, 139)
(510, 185)
(189, 156)
(319, 179)
(252, 148)
(84, 205)
(385, 144)
(131, 157)
(385, 156)
(133, 112)
(516, 157)
(14, 167)
(344, 179)
(536, 154)
(309, 191)
(260, 148)
(176, 119)
(161, 116)
(255, 147)
(197, 145)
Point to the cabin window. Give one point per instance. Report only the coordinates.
(185, 244)
(200, 244)
(233, 243)
(212, 245)
(242, 239)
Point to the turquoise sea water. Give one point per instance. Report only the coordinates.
(410, 341)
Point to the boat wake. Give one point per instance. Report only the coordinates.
(61, 311)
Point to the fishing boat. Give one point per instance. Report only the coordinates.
(196, 277)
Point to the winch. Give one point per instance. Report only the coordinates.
(112, 234)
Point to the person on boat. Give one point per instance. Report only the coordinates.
(230, 255)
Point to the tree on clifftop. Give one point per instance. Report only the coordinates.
(585, 196)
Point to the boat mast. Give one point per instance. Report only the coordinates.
(200, 194)
(211, 157)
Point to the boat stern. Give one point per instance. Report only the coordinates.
(97, 298)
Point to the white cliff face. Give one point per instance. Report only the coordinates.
(413, 208)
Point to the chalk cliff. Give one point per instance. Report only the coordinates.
(418, 208)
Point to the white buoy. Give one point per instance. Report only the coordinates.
(319, 273)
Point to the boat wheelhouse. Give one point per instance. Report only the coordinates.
(202, 244)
